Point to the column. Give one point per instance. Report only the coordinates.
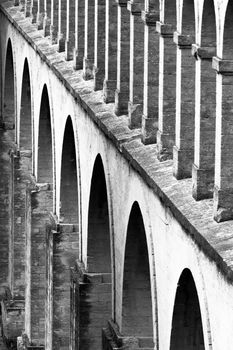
(54, 22)
(223, 189)
(22, 5)
(110, 51)
(88, 60)
(62, 18)
(38, 223)
(70, 30)
(183, 152)
(205, 118)
(99, 55)
(167, 92)
(47, 17)
(151, 77)
(123, 39)
(79, 34)
(136, 83)
(40, 14)
(27, 8)
(33, 11)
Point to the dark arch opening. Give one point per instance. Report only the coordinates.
(69, 188)
(208, 33)
(188, 19)
(170, 13)
(25, 111)
(45, 159)
(9, 89)
(136, 305)
(187, 332)
(98, 246)
(228, 33)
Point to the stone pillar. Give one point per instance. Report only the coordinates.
(65, 254)
(27, 9)
(99, 56)
(136, 75)
(223, 189)
(62, 18)
(123, 40)
(183, 152)
(20, 172)
(205, 119)
(40, 14)
(22, 5)
(167, 92)
(110, 51)
(33, 11)
(47, 17)
(79, 34)
(88, 60)
(151, 77)
(54, 22)
(70, 30)
(38, 222)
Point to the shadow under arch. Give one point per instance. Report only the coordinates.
(187, 329)
(188, 19)
(25, 129)
(98, 245)
(208, 28)
(45, 149)
(9, 90)
(69, 208)
(137, 317)
(228, 33)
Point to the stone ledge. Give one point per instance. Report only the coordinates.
(183, 41)
(150, 18)
(205, 53)
(165, 30)
(222, 66)
(134, 8)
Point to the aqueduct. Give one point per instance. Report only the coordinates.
(116, 174)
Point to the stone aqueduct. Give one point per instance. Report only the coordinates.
(116, 181)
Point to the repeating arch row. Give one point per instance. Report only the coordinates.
(69, 165)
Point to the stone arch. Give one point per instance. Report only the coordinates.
(45, 149)
(69, 184)
(98, 244)
(187, 329)
(208, 29)
(228, 33)
(137, 317)
(9, 89)
(25, 129)
(188, 18)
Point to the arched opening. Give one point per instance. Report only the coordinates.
(25, 111)
(188, 19)
(208, 30)
(9, 90)
(98, 247)
(228, 33)
(45, 159)
(170, 13)
(69, 189)
(187, 332)
(136, 303)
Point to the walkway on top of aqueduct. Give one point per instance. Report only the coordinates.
(175, 195)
